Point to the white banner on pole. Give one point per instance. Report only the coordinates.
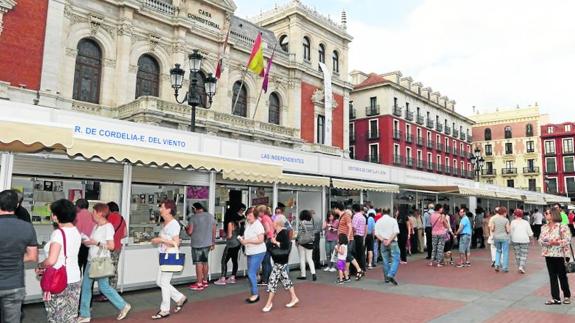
(328, 98)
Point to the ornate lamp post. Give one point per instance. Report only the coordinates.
(192, 96)
(477, 161)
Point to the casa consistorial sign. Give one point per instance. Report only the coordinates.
(206, 15)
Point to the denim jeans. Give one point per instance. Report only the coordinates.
(105, 289)
(502, 253)
(390, 251)
(254, 262)
(11, 304)
(266, 267)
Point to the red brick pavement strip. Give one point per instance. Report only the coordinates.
(318, 303)
(524, 316)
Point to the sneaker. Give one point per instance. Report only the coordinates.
(370, 267)
(206, 283)
(467, 264)
(460, 265)
(497, 268)
(83, 319)
(124, 312)
(231, 280)
(326, 268)
(332, 270)
(313, 277)
(220, 282)
(521, 270)
(340, 281)
(393, 281)
(197, 287)
(346, 280)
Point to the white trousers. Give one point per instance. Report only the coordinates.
(168, 291)
(305, 254)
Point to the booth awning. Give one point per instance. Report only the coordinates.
(468, 191)
(232, 169)
(535, 199)
(302, 180)
(549, 198)
(431, 188)
(509, 196)
(30, 137)
(357, 186)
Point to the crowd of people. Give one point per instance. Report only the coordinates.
(87, 244)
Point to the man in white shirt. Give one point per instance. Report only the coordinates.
(537, 223)
(386, 231)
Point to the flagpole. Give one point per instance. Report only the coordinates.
(239, 90)
(262, 87)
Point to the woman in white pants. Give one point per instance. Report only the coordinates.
(486, 226)
(169, 238)
(305, 239)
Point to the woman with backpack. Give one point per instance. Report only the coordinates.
(305, 239)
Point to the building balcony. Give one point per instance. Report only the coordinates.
(439, 127)
(352, 115)
(372, 110)
(439, 147)
(447, 170)
(532, 188)
(530, 150)
(409, 162)
(430, 166)
(455, 151)
(509, 171)
(419, 164)
(419, 141)
(397, 134)
(438, 168)
(429, 144)
(489, 153)
(531, 170)
(469, 139)
(372, 135)
(447, 149)
(462, 136)
(489, 172)
(463, 154)
(429, 123)
(372, 159)
(455, 133)
(408, 138)
(397, 160)
(419, 119)
(408, 115)
(447, 130)
(508, 152)
(397, 111)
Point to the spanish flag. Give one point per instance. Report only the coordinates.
(256, 62)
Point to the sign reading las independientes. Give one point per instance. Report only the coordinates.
(158, 140)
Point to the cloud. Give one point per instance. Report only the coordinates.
(488, 53)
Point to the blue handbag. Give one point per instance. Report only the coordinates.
(172, 262)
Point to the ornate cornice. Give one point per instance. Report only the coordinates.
(5, 6)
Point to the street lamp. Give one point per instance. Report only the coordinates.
(192, 96)
(477, 161)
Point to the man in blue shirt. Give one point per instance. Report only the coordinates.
(427, 226)
(464, 232)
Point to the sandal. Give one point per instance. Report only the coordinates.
(180, 305)
(359, 275)
(160, 315)
(553, 302)
(567, 301)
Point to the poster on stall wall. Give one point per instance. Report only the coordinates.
(74, 195)
(327, 102)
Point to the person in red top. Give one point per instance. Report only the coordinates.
(116, 219)
(571, 218)
(263, 212)
(85, 224)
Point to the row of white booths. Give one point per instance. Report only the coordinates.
(50, 154)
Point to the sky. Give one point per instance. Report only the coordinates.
(491, 54)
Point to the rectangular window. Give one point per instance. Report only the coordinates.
(352, 152)
(488, 150)
(429, 161)
(568, 164)
(530, 146)
(429, 136)
(320, 129)
(567, 145)
(447, 161)
(374, 153)
(550, 146)
(567, 128)
(550, 165)
(532, 184)
(570, 186)
(373, 131)
(373, 102)
(510, 183)
(489, 166)
(508, 164)
(508, 148)
(549, 129)
(551, 184)
(395, 125)
(531, 164)
(408, 152)
(396, 150)
(438, 158)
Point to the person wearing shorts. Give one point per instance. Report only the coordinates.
(342, 255)
(202, 231)
(464, 232)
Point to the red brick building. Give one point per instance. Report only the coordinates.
(397, 122)
(558, 156)
(22, 32)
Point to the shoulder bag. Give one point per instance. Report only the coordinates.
(172, 261)
(569, 263)
(101, 266)
(305, 237)
(54, 281)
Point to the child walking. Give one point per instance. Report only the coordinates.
(341, 249)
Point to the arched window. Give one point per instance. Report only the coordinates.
(148, 77)
(274, 109)
(88, 71)
(335, 61)
(241, 95)
(321, 53)
(306, 49)
(529, 130)
(508, 134)
(284, 43)
(487, 134)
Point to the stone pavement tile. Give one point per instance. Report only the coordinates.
(545, 290)
(536, 303)
(318, 303)
(477, 311)
(523, 316)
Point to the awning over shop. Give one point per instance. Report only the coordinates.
(431, 188)
(468, 191)
(550, 198)
(368, 186)
(30, 137)
(535, 199)
(509, 196)
(302, 180)
(231, 168)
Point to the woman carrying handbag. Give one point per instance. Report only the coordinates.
(61, 273)
(99, 266)
(168, 241)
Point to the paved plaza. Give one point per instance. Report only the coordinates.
(425, 294)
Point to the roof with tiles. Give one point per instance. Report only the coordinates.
(372, 79)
